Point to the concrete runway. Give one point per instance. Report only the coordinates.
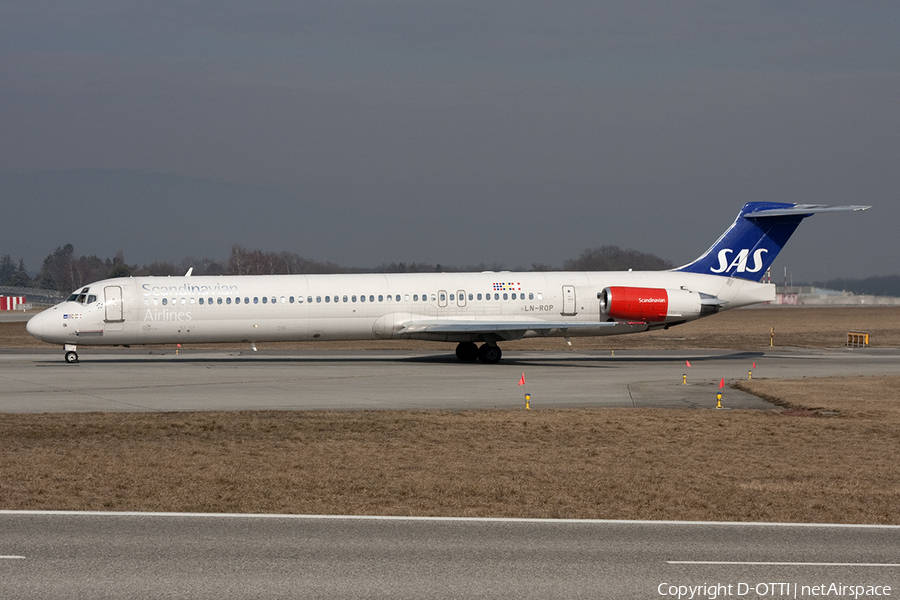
(91, 555)
(159, 380)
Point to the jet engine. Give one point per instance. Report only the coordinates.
(654, 305)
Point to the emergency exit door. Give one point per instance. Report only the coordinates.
(568, 293)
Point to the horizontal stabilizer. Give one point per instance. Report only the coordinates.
(802, 209)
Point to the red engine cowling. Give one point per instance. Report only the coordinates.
(651, 305)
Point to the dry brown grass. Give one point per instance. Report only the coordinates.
(599, 463)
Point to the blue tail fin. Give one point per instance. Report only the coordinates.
(748, 248)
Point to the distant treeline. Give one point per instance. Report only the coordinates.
(62, 270)
(884, 285)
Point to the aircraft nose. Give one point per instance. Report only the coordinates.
(35, 326)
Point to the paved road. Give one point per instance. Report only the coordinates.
(181, 556)
(141, 380)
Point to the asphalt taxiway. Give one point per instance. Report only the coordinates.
(160, 380)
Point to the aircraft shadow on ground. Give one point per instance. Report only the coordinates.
(553, 360)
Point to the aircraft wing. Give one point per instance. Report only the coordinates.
(513, 329)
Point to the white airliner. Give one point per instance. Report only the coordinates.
(476, 310)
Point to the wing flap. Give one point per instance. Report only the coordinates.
(512, 329)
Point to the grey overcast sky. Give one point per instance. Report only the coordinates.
(460, 132)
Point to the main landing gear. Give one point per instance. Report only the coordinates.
(487, 353)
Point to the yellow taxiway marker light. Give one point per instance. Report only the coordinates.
(749, 375)
(684, 379)
(719, 400)
(527, 401)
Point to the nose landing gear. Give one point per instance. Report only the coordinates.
(71, 354)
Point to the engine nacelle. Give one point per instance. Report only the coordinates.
(655, 305)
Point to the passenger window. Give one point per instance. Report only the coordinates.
(265, 300)
(380, 298)
(219, 300)
(192, 301)
(531, 295)
(328, 299)
(282, 299)
(255, 299)
(471, 296)
(362, 298)
(371, 298)
(452, 297)
(237, 300)
(319, 299)
(165, 301)
(540, 296)
(505, 296)
(406, 297)
(345, 298)
(228, 300)
(415, 297)
(389, 298)
(146, 301)
(479, 296)
(291, 299)
(246, 300)
(353, 298)
(443, 298)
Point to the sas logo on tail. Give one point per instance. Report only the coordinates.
(739, 261)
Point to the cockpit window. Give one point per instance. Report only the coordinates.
(82, 297)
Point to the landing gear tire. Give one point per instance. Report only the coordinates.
(489, 355)
(71, 357)
(466, 351)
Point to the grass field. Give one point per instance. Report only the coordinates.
(828, 455)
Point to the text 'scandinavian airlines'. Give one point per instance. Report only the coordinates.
(476, 310)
